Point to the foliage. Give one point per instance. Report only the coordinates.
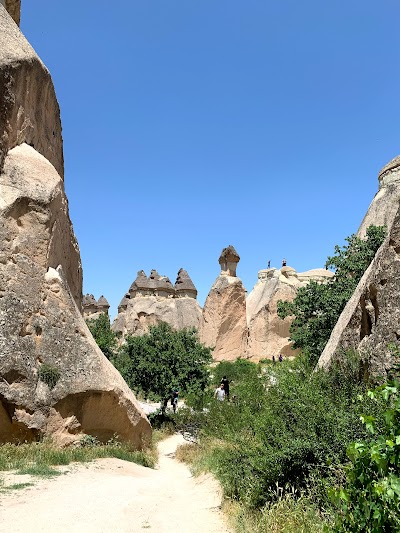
(288, 427)
(370, 499)
(162, 360)
(49, 375)
(317, 306)
(235, 371)
(102, 333)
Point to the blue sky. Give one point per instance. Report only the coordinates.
(190, 125)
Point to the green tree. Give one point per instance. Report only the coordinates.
(102, 333)
(317, 306)
(156, 363)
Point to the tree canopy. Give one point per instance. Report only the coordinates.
(102, 333)
(163, 360)
(317, 306)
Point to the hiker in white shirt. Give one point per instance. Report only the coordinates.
(220, 393)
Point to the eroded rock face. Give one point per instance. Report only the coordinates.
(370, 321)
(268, 335)
(223, 326)
(42, 331)
(383, 208)
(152, 300)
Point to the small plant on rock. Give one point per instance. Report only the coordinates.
(49, 375)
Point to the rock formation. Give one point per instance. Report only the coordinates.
(383, 208)
(93, 308)
(151, 300)
(268, 335)
(223, 326)
(370, 321)
(42, 331)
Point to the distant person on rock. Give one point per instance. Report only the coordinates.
(220, 393)
(225, 383)
(269, 264)
(283, 262)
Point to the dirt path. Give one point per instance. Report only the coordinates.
(114, 496)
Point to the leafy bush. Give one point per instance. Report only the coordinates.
(317, 306)
(49, 375)
(288, 426)
(370, 499)
(102, 333)
(164, 359)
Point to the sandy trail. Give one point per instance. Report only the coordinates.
(110, 495)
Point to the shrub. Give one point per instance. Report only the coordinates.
(370, 498)
(49, 375)
(164, 359)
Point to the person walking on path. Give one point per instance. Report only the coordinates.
(280, 358)
(174, 399)
(220, 393)
(225, 383)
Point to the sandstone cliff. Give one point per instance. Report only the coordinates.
(41, 327)
(268, 335)
(370, 321)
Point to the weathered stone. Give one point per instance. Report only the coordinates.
(29, 111)
(383, 208)
(152, 300)
(370, 321)
(223, 327)
(268, 335)
(93, 308)
(53, 377)
(14, 8)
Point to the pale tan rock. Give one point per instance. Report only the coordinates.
(383, 208)
(40, 276)
(152, 300)
(142, 312)
(29, 111)
(268, 335)
(370, 321)
(223, 326)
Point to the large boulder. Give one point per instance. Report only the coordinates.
(223, 326)
(54, 380)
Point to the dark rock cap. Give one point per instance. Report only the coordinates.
(229, 254)
(183, 282)
(102, 301)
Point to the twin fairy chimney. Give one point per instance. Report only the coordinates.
(92, 308)
(42, 328)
